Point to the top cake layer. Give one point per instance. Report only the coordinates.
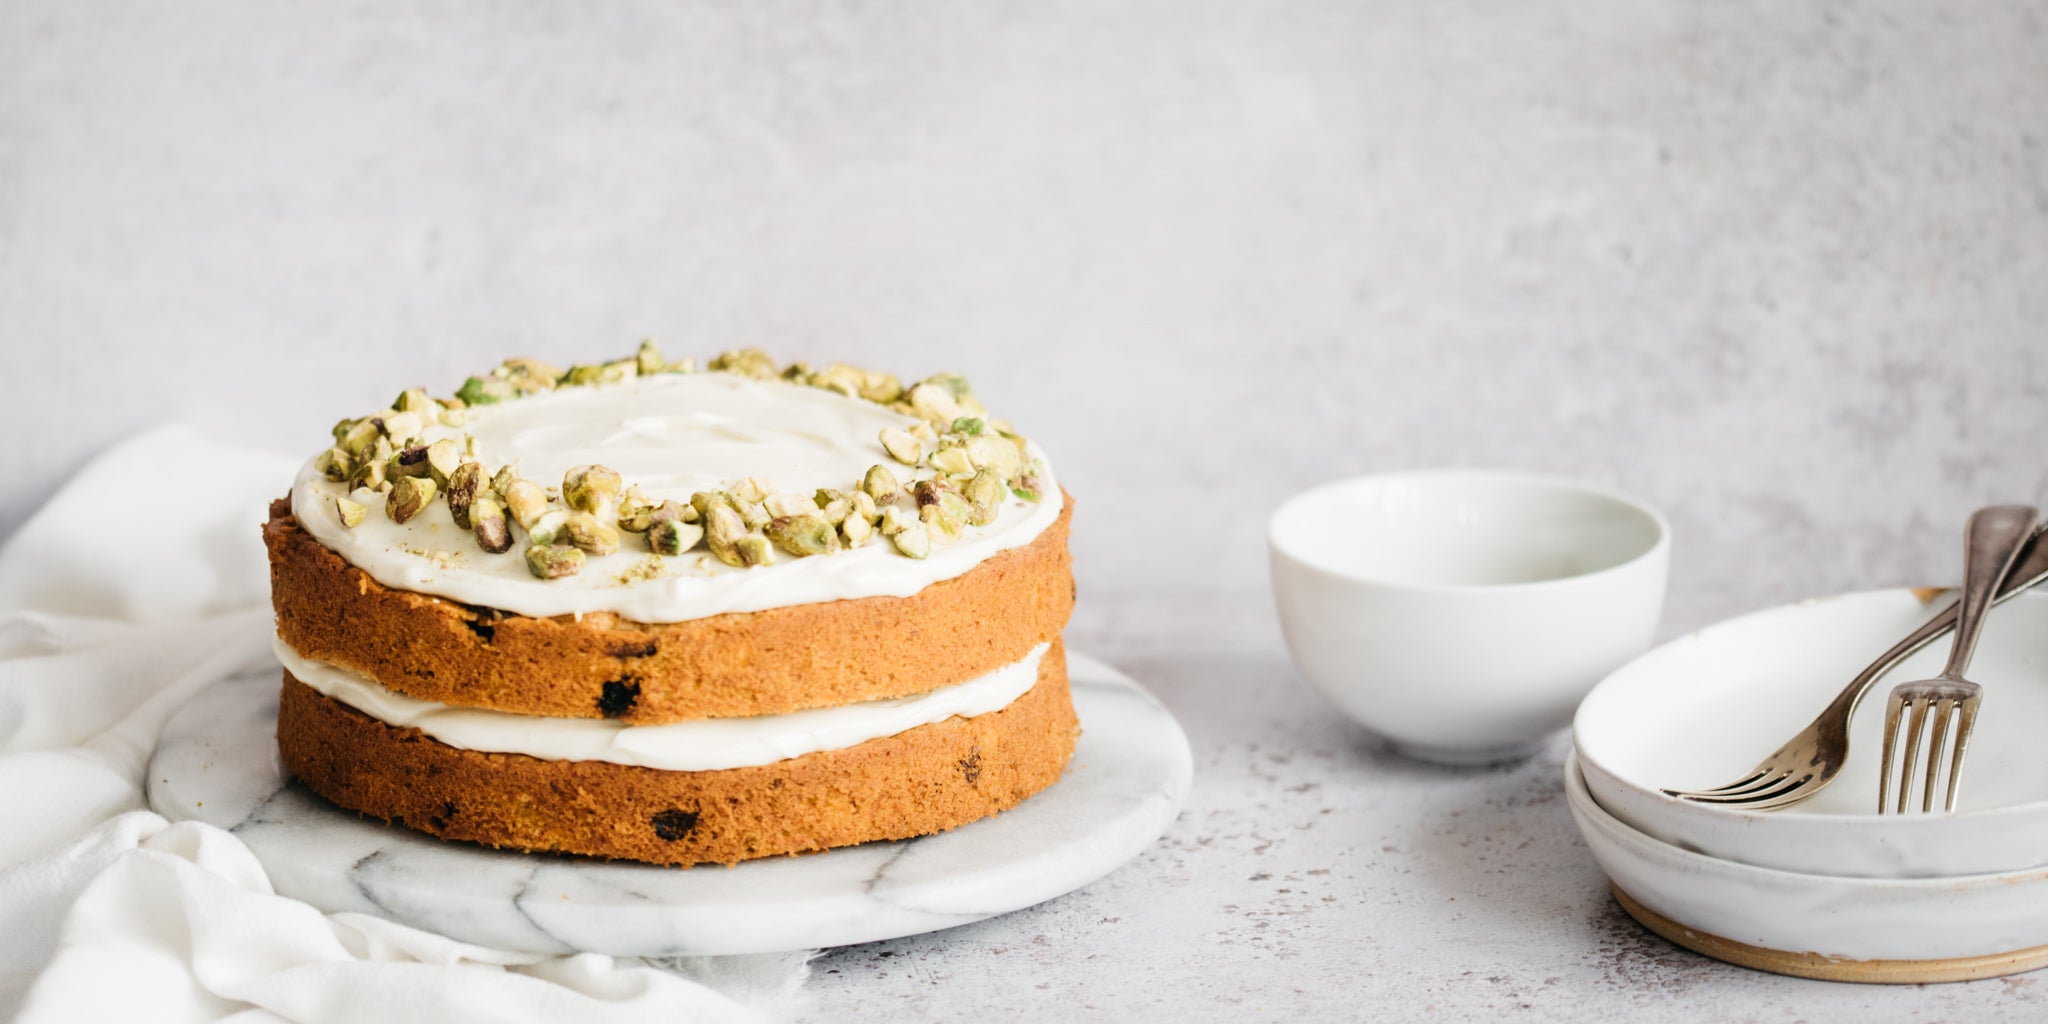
(669, 435)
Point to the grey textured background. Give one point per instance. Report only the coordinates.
(1780, 268)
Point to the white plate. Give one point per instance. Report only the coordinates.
(1131, 771)
(1938, 928)
(1699, 711)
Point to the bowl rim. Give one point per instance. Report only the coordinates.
(1579, 793)
(1659, 547)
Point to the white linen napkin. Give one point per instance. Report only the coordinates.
(115, 608)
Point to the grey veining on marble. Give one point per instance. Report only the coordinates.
(1130, 774)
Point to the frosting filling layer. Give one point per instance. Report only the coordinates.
(712, 744)
(671, 435)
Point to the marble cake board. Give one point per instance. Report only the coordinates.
(218, 763)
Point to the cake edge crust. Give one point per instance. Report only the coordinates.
(928, 779)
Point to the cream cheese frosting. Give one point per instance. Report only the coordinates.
(712, 744)
(670, 435)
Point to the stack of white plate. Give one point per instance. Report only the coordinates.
(1826, 888)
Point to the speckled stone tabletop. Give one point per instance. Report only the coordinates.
(1315, 876)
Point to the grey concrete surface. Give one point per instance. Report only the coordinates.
(1776, 267)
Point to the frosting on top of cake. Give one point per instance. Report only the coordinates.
(712, 744)
(670, 435)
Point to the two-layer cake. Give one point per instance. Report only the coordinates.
(630, 610)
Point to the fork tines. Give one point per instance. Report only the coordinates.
(1932, 707)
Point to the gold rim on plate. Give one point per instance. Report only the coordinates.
(1827, 968)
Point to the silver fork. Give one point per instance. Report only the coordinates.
(1990, 544)
(1811, 760)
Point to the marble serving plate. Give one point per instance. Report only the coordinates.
(1131, 771)
(1702, 709)
(1890, 930)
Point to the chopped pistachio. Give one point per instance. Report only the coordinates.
(953, 462)
(351, 512)
(673, 536)
(864, 507)
(407, 462)
(685, 365)
(443, 457)
(528, 375)
(985, 494)
(833, 503)
(463, 487)
(913, 540)
(553, 561)
(880, 484)
(648, 359)
(704, 501)
(370, 473)
(402, 427)
(603, 373)
(944, 526)
(998, 453)
(954, 384)
(901, 446)
(895, 520)
(752, 514)
(487, 522)
(752, 489)
(803, 535)
(526, 501)
(359, 437)
(782, 505)
(836, 512)
(591, 488)
(934, 404)
(478, 391)
(415, 400)
(503, 481)
(856, 530)
(723, 528)
(548, 528)
(409, 497)
(636, 511)
(942, 509)
(753, 549)
(882, 388)
(797, 373)
(587, 532)
(471, 449)
(453, 414)
(1029, 486)
(841, 378)
(336, 464)
(923, 431)
(747, 362)
(972, 426)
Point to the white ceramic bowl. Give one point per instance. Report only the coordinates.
(1699, 711)
(1463, 613)
(1818, 916)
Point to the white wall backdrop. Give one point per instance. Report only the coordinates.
(1780, 268)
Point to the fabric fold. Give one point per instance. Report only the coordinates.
(115, 913)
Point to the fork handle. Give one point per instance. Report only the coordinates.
(1990, 543)
(2029, 568)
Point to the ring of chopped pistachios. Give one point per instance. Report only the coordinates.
(961, 466)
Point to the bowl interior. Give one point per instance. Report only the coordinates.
(1699, 711)
(1463, 528)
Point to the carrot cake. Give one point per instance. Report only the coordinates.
(634, 610)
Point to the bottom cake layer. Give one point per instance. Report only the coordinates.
(928, 779)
